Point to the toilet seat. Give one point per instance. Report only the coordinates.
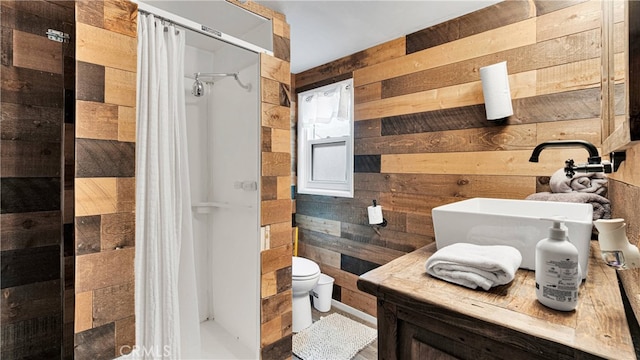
(303, 269)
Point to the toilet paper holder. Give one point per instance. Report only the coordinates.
(375, 214)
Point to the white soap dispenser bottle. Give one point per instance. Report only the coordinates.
(557, 269)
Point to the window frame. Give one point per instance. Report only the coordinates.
(306, 184)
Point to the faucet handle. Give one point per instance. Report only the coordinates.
(569, 168)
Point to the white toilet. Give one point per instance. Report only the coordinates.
(305, 274)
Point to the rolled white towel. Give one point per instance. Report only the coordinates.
(475, 266)
(581, 182)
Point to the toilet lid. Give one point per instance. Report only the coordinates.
(302, 267)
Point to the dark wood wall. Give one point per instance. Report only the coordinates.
(421, 134)
(37, 78)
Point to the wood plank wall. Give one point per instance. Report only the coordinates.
(36, 130)
(624, 190)
(276, 204)
(105, 178)
(421, 135)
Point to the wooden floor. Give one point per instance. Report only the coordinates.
(368, 353)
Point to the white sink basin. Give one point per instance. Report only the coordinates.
(515, 223)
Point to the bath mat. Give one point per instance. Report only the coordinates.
(334, 337)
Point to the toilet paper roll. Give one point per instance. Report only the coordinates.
(496, 91)
(375, 215)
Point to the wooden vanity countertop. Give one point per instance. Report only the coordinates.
(598, 326)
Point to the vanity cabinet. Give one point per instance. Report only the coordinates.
(421, 317)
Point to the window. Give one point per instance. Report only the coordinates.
(325, 140)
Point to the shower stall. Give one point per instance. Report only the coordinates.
(222, 96)
(222, 128)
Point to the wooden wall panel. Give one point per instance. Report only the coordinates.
(337, 69)
(422, 113)
(34, 80)
(103, 47)
(105, 178)
(501, 14)
(492, 41)
(522, 85)
(276, 206)
(36, 52)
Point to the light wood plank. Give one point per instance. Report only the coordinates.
(276, 258)
(126, 123)
(372, 253)
(500, 39)
(573, 76)
(84, 311)
(344, 279)
(481, 163)
(120, 16)
(270, 91)
(95, 196)
(628, 171)
(36, 52)
(268, 284)
(344, 66)
(359, 300)
(587, 129)
(321, 256)
(280, 140)
(276, 163)
(368, 92)
(120, 87)
(270, 331)
(478, 139)
(325, 226)
(96, 120)
(280, 234)
(281, 28)
(276, 116)
(522, 85)
(570, 20)
(283, 187)
(275, 69)
(96, 271)
(104, 47)
(275, 306)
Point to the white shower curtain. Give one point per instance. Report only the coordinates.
(166, 304)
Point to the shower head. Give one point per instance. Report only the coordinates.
(198, 88)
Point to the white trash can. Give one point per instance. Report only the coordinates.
(322, 293)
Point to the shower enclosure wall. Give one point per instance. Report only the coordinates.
(224, 152)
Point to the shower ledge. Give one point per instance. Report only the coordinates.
(206, 207)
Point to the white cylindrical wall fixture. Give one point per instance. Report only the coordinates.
(496, 92)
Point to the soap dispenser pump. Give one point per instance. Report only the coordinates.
(615, 249)
(557, 269)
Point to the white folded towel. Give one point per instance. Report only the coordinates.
(581, 182)
(475, 266)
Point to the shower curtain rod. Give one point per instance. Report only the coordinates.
(199, 28)
(199, 75)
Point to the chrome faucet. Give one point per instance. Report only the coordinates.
(594, 163)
